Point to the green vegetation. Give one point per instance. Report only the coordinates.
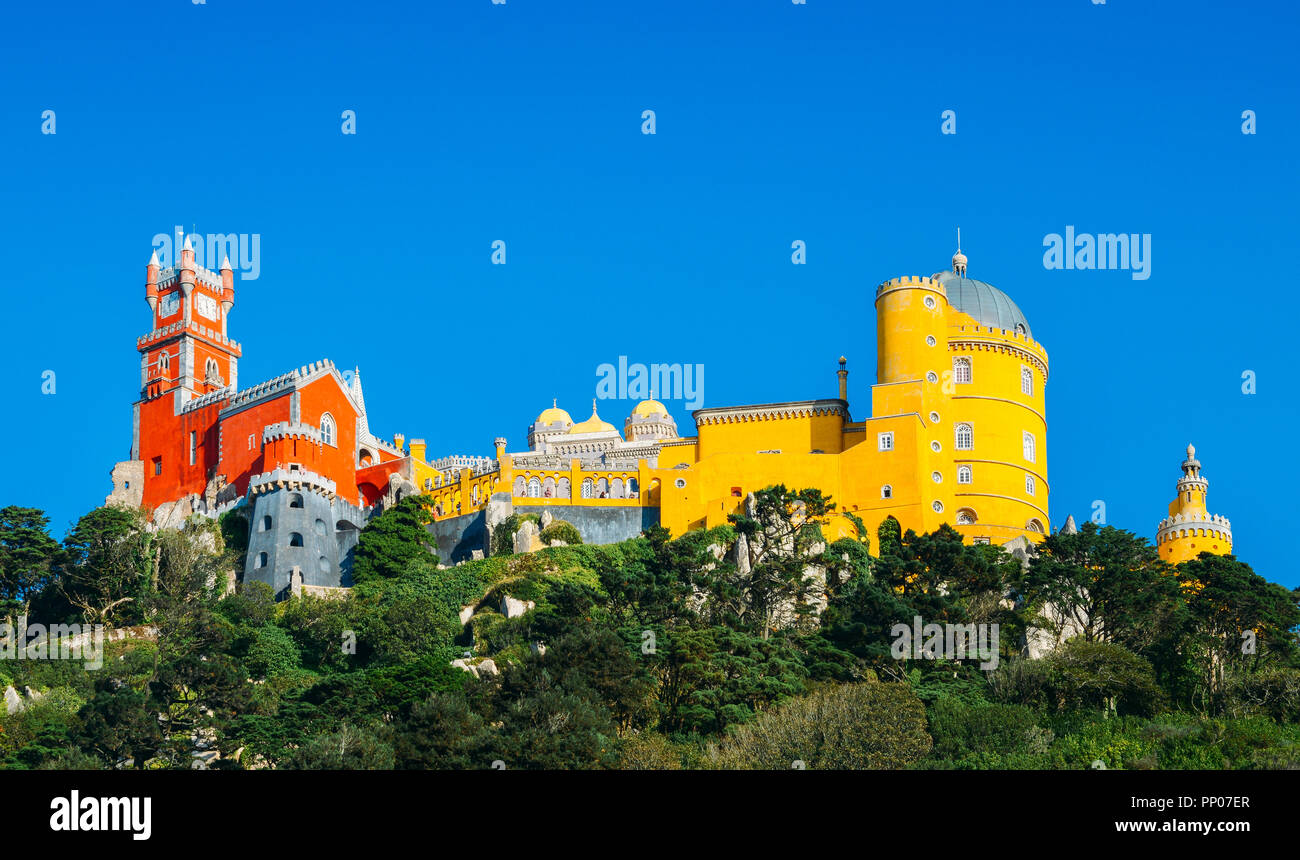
(655, 653)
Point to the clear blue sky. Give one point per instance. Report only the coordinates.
(776, 122)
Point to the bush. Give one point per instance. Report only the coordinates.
(503, 534)
(272, 652)
(871, 726)
(961, 728)
(562, 531)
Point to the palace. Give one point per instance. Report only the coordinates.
(956, 432)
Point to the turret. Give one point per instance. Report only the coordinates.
(187, 274)
(500, 444)
(1190, 528)
(227, 287)
(151, 282)
(843, 374)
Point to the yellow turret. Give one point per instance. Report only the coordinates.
(1190, 529)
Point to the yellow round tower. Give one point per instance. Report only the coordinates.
(1190, 529)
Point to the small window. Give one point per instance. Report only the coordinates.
(935, 446)
(937, 477)
(321, 528)
(164, 361)
(1028, 445)
(964, 437)
(963, 474)
(1034, 526)
(251, 441)
(323, 564)
(680, 483)
(929, 302)
(932, 377)
(327, 429)
(885, 441)
(1029, 484)
(588, 488)
(295, 539)
(266, 524)
(194, 446)
(534, 488)
(295, 500)
(966, 517)
(260, 561)
(934, 417)
(937, 505)
(929, 340)
(157, 465)
(886, 492)
(1020, 328)
(961, 371)
(1026, 381)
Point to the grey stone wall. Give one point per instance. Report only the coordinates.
(600, 525)
(328, 530)
(458, 537)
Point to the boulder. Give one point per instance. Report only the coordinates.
(13, 701)
(528, 538)
(547, 517)
(512, 608)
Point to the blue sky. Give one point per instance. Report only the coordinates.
(775, 122)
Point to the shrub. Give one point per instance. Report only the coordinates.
(563, 531)
(842, 727)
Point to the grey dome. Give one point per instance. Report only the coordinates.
(984, 302)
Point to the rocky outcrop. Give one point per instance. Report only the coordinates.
(528, 538)
(512, 608)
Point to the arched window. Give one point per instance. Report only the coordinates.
(1026, 381)
(519, 486)
(1034, 526)
(548, 488)
(965, 437)
(961, 370)
(602, 488)
(474, 494)
(323, 564)
(616, 489)
(327, 429)
(295, 539)
(1028, 444)
(966, 517)
(321, 528)
(534, 488)
(562, 489)
(211, 373)
(588, 489)
(632, 487)
(963, 474)
(886, 492)
(365, 457)
(295, 500)
(164, 361)
(1029, 484)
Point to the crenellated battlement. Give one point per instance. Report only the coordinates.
(208, 399)
(910, 281)
(291, 479)
(288, 430)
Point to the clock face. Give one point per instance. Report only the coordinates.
(206, 306)
(170, 304)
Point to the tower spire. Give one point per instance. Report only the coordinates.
(959, 259)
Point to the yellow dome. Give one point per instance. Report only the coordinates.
(646, 408)
(593, 424)
(552, 415)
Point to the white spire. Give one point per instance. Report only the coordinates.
(153, 258)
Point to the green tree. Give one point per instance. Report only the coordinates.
(394, 539)
(27, 555)
(107, 565)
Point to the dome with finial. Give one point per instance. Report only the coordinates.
(647, 408)
(985, 302)
(553, 415)
(593, 424)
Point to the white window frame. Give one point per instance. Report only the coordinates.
(885, 441)
(327, 436)
(1026, 380)
(957, 436)
(1029, 446)
(1029, 484)
(968, 472)
(887, 491)
(959, 362)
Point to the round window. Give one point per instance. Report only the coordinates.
(932, 377)
(929, 302)
(679, 483)
(929, 340)
(934, 417)
(935, 446)
(938, 506)
(936, 477)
